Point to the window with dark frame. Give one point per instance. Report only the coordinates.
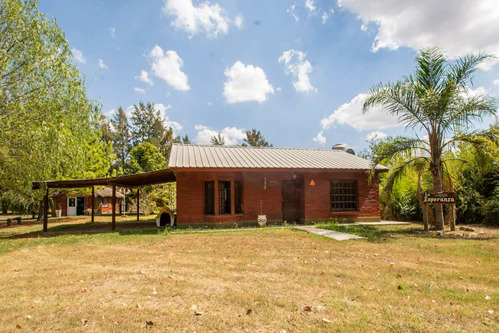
(209, 193)
(344, 195)
(224, 197)
(238, 197)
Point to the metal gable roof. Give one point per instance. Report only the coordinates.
(199, 156)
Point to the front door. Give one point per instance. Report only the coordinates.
(71, 206)
(290, 194)
(80, 205)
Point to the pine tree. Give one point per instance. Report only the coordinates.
(148, 125)
(121, 137)
(255, 139)
(218, 140)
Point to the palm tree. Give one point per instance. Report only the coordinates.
(435, 100)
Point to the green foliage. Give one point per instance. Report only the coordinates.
(145, 157)
(255, 139)
(218, 140)
(121, 137)
(435, 100)
(148, 125)
(47, 123)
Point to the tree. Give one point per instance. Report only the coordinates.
(121, 137)
(145, 157)
(148, 125)
(46, 120)
(255, 139)
(218, 140)
(434, 100)
(186, 140)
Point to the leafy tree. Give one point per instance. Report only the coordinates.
(255, 139)
(121, 137)
(434, 100)
(46, 120)
(218, 140)
(186, 140)
(105, 130)
(145, 157)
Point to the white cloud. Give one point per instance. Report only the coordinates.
(320, 138)
(291, 11)
(101, 64)
(495, 82)
(246, 83)
(166, 120)
(167, 66)
(238, 21)
(208, 18)
(476, 92)
(297, 65)
(375, 135)
(351, 114)
(144, 77)
(112, 32)
(110, 113)
(310, 5)
(78, 55)
(231, 135)
(324, 17)
(458, 26)
(139, 90)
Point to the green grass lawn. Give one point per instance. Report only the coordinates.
(269, 280)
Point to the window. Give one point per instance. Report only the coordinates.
(105, 202)
(344, 195)
(209, 198)
(238, 196)
(224, 197)
(71, 202)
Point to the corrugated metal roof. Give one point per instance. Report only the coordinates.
(198, 156)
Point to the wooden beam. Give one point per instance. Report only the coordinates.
(93, 205)
(46, 210)
(138, 191)
(113, 209)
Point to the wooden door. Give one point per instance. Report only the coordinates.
(290, 195)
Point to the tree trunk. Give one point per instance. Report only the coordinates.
(40, 211)
(437, 186)
(421, 202)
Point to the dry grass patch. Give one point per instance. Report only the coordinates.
(257, 280)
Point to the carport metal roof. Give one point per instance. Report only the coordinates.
(131, 181)
(136, 180)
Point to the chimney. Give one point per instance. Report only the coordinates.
(339, 146)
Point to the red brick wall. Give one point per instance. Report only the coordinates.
(63, 200)
(314, 200)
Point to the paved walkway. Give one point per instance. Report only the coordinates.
(330, 233)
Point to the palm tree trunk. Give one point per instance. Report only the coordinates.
(437, 186)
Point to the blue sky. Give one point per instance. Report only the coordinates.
(296, 70)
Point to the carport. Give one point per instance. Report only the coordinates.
(128, 181)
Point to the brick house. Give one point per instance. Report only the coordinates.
(232, 185)
(77, 203)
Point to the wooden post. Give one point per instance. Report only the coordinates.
(138, 191)
(453, 214)
(46, 210)
(93, 205)
(426, 217)
(113, 209)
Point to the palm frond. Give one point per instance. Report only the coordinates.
(399, 171)
(398, 146)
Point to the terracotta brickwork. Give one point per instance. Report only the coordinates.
(265, 186)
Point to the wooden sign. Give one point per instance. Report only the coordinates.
(443, 198)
